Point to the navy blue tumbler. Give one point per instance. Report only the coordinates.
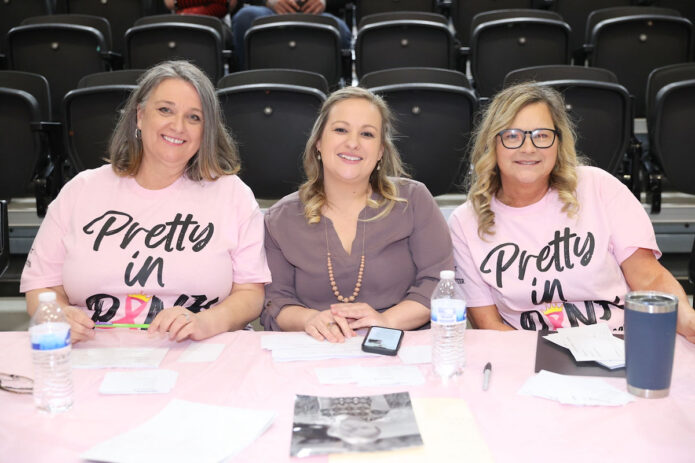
(650, 336)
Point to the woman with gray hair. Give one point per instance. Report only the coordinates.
(357, 245)
(165, 234)
(543, 242)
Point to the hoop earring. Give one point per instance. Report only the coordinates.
(138, 134)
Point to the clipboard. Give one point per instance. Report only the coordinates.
(551, 357)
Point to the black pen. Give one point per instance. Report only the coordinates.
(486, 375)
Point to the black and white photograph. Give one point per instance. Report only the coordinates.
(324, 425)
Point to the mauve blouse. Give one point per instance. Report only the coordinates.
(404, 253)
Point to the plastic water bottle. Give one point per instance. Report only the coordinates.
(49, 331)
(448, 326)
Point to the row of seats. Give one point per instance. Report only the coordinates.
(630, 41)
(270, 112)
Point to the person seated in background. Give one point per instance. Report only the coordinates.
(244, 18)
(165, 234)
(544, 242)
(357, 245)
(218, 8)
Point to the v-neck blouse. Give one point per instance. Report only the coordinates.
(404, 253)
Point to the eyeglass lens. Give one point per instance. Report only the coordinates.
(515, 138)
(16, 383)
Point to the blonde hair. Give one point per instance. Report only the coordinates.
(484, 178)
(217, 155)
(312, 193)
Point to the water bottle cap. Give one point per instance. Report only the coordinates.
(48, 296)
(446, 275)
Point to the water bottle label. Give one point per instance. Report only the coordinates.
(448, 311)
(50, 336)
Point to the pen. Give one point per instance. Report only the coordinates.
(122, 325)
(486, 375)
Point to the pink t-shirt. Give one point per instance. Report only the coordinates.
(544, 270)
(123, 253)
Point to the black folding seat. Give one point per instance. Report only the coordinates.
(121, 14)
(685, 7)
(25, 162)
(4, 238)
(90, 115)
(62, 48)
(12, 13)
(196, 38)
(671, 122)
(600, 107)
(403, 39)
(305, 42)
(367, 7)
(504, 40)
(434, 110)
(632, 41)
(463, 12)
(270, 113)
(575, 13)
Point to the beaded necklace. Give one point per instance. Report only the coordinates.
(360, 272)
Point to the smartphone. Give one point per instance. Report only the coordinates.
(380, 340)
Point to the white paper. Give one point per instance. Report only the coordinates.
(118, 357)
(371, 376)
(164, 437)
(415, 354)
(592, 343)
(574, 390)
(201, 352)
(138, 382)
(288, 347)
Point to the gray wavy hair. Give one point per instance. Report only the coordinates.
(217, 155)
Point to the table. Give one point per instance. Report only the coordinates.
(515, 428)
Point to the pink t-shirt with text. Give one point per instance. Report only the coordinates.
(123, 253)
(544, 270)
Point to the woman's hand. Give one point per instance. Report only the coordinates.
(361, 314)
(179, 322)
(81, 326)
(686, 324)
(313, 6)
(325, 325)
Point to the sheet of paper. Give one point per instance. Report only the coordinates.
(164, 438)
(288, 347)
(448, 430)
(415, 354)
(371, 376)
(138, 382)
(118, 357)
(201, 352)
(591, 343)
(574, 390)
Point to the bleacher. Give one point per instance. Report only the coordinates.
(625, 68)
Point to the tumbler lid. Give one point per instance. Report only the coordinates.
(651, 302)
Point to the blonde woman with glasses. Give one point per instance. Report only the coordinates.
(544, 242)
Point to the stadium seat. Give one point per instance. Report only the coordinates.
(367, 7)
(403, 39)
(632, 41)
(4, 238)
(463, 12)
(90, 115)
(62, 48)
(434, 110)
(504, 40)
(305, 42)
(671, 121)
(12, 13)
(270, 113)
(196, 38)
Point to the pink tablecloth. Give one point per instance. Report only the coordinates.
(515, 428)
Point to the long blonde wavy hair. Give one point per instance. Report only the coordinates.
(312, 192)
(484, 178)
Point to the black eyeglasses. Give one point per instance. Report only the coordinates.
(515, 138)
(16, 383)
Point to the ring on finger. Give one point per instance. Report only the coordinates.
(188, 316)
(329, 325)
